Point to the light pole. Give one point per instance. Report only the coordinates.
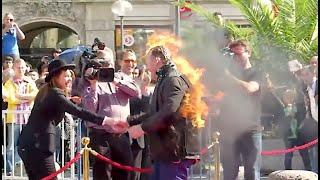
(121, 8)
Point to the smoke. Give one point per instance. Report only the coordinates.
(202, 44)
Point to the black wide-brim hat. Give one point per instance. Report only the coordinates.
(56, 66)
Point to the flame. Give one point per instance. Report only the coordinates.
(193, 107)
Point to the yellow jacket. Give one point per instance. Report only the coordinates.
(10, 89)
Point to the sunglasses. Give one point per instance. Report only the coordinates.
(129, 60)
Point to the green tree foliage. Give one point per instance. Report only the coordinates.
(284, 31)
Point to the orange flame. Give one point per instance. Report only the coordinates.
(193, 107)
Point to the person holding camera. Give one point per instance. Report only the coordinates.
(108, 93)
(11, 33)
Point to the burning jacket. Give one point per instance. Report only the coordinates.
(168, 131)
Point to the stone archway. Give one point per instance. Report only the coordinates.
(36, 17)
(37, 26)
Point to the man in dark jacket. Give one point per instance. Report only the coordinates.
(163, 124)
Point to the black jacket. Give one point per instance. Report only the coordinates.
(46, 115)
(165, 127)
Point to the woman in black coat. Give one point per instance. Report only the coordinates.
(36, 143)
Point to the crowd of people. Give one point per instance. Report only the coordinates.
(134, 118)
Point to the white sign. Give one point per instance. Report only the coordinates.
(128, 40)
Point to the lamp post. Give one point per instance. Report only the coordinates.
(121, 8)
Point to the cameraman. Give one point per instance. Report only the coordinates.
(11, 33)
(110, 99)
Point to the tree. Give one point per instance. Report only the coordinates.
(282, 30)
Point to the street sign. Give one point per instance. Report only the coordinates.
(128, 40)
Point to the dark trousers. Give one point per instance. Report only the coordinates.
(232, 149)
(304, 153)
(115, 147)
(38, 164)
(137, 158)
(171, 170)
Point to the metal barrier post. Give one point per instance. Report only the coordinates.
(216, 155)
(79, 147)
(85, 142)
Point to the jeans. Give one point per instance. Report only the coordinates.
(11, 151)
(171, 170)
(257, 140)
(233, 147)
(304, 153)
(313, 152)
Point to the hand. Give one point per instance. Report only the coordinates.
(75, 99)
(120, 126)
(135, 131)
(14, 24)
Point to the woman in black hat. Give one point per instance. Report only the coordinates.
(36, 143)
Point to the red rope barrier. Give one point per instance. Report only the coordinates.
(296, 148)
(117, 165)
(277, 151)
(75, 159)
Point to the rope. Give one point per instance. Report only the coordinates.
(75, 159)
(284, 151)
(117, 165)
(273, 152)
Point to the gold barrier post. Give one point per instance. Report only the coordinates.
(85, 142)
(216, 154)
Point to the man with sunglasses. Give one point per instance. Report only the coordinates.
(11, 33)
(240, 111)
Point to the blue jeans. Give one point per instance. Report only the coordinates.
(313, 152)
(11, 151)
(171, 170)
(257, 140)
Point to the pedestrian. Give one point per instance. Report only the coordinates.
(11, 33)
(165, 127)
(36, 144)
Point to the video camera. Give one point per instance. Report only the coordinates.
(97, 70)
(94, 70)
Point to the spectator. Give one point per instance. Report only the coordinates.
(309, 130)
(128, 63)
(11, 33)
(33, 74)
(43, 71)
(289, 128)
(7, 71)
(314, 66)
(20, 91)
(56, 53)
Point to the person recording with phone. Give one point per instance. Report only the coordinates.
(107, 93)
(11, 33)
